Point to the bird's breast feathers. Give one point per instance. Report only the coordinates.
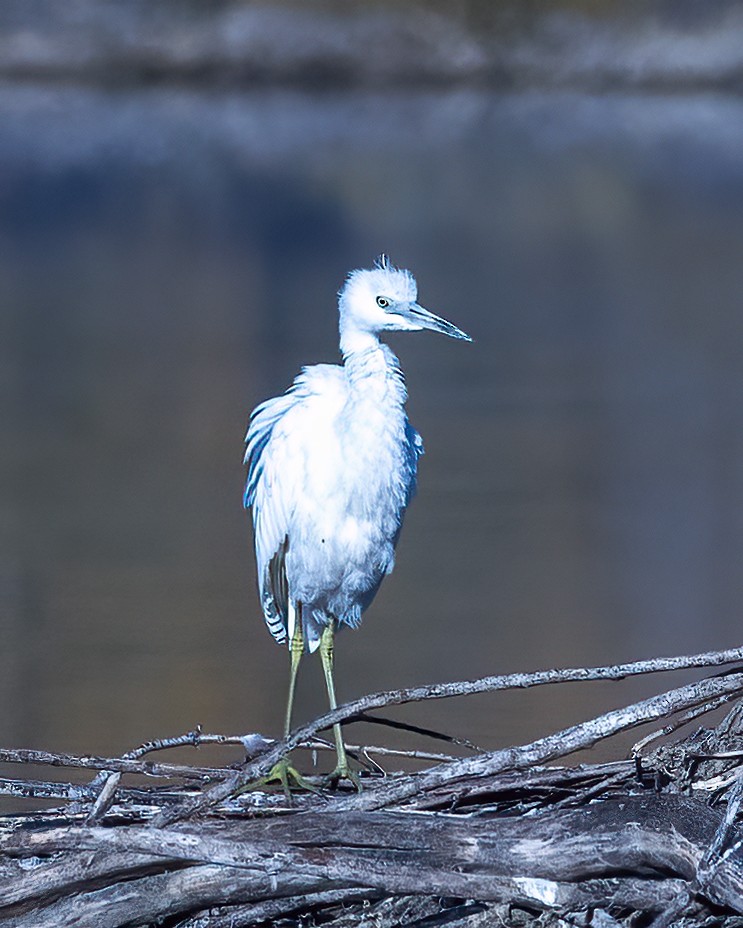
(328, 460)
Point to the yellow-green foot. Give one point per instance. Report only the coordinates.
(282, 772)
(343, 771)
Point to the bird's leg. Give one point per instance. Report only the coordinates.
(342, 769)
(282, 770)
(296, 648)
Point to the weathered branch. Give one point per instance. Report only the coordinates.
(682, 719)
(120, 764)
(269, 909)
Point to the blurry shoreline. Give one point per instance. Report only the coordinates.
(655, 46)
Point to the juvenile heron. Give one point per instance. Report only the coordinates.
(331, 469)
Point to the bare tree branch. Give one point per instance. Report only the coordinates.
(120, 764)
(684, 719)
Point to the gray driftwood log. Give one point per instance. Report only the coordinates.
(492, 838)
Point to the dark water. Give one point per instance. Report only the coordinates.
(168, 259)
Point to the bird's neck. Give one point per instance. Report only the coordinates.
(373, 371)
(356, 341)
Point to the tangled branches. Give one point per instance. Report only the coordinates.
(465, 838)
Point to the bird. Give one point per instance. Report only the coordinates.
(331, 468)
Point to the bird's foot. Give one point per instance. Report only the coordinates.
(343, 771)
(282, 772)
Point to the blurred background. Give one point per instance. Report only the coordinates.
(183, 187)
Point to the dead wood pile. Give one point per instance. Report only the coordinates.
(505, 837)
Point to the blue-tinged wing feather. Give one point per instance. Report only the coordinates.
(274, 482)
(262, 422)
(413, 450)
(270, 516)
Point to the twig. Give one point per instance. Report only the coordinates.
(79, 793)
(590, 792)
(319, 744)
(415, 730)
(713, 784)
(254, 744)
(538, 779)
(121, 764)
(725, 829)
(677, 723)
(271, 909)
(110, 779)
(40, 789)
(75, 793)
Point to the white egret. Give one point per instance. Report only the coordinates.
(331, 469)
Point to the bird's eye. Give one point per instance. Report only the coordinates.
(382, 302)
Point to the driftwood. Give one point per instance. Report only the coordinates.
(495, 837)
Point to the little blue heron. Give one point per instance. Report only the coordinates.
(331, 469)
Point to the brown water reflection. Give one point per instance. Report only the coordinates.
(169, 259)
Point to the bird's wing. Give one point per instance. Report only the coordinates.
(413, 450)
(264, 492)
(275, 480)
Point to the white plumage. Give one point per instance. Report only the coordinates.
(332, 466)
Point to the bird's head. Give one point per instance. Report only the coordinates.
(384, 299)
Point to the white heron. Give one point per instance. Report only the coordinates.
(331, 469)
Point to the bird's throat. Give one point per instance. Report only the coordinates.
(374, 374)
(355, 341)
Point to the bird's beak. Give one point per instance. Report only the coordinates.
(427, 320)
